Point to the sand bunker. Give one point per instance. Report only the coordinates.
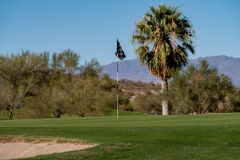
(13, 150)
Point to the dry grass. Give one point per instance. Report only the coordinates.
(34, 140)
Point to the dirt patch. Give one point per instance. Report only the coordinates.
(13, 150)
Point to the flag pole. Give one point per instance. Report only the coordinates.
(117, 87)
(121, 55)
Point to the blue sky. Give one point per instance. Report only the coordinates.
(91, 27)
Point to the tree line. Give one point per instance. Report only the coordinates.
(37, 85)
(40, 86)
(196, 89)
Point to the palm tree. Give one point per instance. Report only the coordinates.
(163, 39)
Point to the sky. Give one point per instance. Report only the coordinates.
(92, 27)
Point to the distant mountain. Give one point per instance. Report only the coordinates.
(132, 70)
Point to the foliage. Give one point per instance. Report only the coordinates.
(235, 101)
(66, 60)
(148, 103)
(129, 89)
(43, 87)
(17, 80)
(91, 69)
(87, 98)
(49, 101)
(201, 90)
(163, 39)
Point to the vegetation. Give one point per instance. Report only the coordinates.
(91, 69)
(137, 136)
(42, 87)
(17, 81)
(163, 39)
(147, 103)
(195, 90)
(201, 90)
(236, 101)
(39, 91)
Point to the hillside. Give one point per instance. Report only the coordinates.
(132, 70)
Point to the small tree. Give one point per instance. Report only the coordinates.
(91, 69)
(147, 103)
(87, 98)
(50, 100)
(18, 81)
(65, 61)
(200, 90)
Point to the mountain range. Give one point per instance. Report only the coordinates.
(132, 70)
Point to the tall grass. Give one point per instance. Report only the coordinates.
(138, 136)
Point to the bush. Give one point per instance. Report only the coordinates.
(148, 103)
(87, 98)
(80, 97)
(201, 90)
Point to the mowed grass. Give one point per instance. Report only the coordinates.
(138, 136)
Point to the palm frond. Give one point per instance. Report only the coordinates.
(164, 38)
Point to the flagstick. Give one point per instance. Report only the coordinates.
(117, 87)
(120, 54)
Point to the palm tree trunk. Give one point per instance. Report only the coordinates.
(164, 101)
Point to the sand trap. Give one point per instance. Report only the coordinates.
(13, 150)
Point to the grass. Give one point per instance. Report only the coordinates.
(137, 136)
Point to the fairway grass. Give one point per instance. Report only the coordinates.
(138, 136)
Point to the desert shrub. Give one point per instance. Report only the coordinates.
(48, 103)
(201, 90)
(87, 98)
(148, 103)
(79, 97)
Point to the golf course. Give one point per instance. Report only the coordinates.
(135, 136)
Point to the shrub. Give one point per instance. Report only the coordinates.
(148, 103)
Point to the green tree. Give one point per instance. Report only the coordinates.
(88, 98)
(67, 60)
(147, 103)
(31, 76)
(50, 102)
(91, 69)
(200, 90)
(163, 39)
(18, 80)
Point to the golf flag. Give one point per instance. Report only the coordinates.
(119, 52)
(121, 55)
